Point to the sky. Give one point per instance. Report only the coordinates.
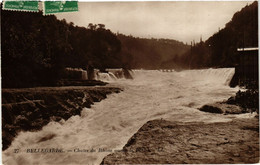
(180, 20)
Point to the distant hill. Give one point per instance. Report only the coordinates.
(149, 53)
(220, 50)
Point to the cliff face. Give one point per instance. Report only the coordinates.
(32, 108)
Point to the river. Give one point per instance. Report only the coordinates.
(108, 125)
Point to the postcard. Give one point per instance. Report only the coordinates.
(137, 82)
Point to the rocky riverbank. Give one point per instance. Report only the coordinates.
(30, 109)
(169, 142)
(243, 102)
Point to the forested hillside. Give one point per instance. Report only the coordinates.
(149, 53)
(37, 48)
(220, 50)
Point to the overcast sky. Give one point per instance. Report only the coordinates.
(183, 21)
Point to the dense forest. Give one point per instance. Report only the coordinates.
(37, 48)
(220, 50)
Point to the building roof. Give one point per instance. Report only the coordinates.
(247, 49)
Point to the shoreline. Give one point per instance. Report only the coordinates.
(29, 109)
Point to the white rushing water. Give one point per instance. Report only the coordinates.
(110, 123)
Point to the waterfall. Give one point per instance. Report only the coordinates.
(109, 75)
(105, 76)
(84, 75)
(112, 74)
(216, 76)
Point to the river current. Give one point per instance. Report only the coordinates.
(108, 125)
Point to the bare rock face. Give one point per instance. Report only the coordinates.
(165, 142)
(30, 109)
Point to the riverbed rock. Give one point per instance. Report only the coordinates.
(211, 109)
(169, 142)
(30, 109)
(222, 108)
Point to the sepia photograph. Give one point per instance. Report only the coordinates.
(129, 82)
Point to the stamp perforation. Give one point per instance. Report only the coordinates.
(23, 10)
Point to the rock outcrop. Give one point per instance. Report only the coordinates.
(167, 142)
(222, 108)
(30, 109)
(248, 100)
(243, 102)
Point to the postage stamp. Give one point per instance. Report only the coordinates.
(21, 5)
(51, 7)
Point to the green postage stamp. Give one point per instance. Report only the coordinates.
(21, 5)
(51, 7)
